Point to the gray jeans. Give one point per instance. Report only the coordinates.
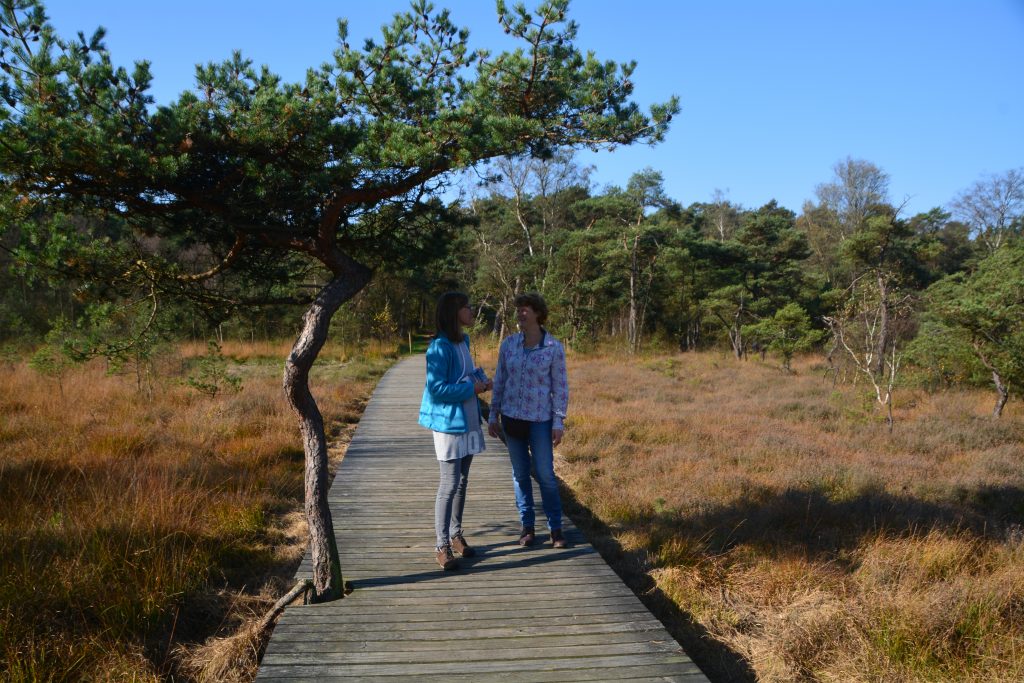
(451, 499)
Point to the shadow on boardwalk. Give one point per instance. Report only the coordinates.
(490, 559)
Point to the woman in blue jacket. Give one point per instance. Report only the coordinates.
(451, 410)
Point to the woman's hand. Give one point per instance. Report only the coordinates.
(481, 387)
(494, 430)
(556, 436)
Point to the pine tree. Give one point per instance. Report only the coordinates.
(270, 182)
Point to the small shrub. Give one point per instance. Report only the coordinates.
(210, 375)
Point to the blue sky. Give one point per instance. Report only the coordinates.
(773, 94)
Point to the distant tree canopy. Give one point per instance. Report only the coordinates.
(633, 264)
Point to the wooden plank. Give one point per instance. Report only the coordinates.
(609, 611)
(484, 655)
(510, 613)
(356, 652)
(559, 669)
(427, 637)
(662, 673)
(498, 629)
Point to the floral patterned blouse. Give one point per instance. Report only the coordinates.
(531, 384)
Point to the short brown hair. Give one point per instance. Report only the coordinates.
(536, 302)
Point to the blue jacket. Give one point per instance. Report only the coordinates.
(443, 394)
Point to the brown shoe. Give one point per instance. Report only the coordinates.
(557, 539)
(446, 559)
(526, 536)
(460, 546)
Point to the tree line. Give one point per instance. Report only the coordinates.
(875, 289)
(851, 274)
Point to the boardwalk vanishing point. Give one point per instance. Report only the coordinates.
(509, 614)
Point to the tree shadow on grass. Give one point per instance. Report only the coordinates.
(811, 523)
(125, 578)
(805, 523)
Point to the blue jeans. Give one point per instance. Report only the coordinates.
(535, 456)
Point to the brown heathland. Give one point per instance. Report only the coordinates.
(791, 530)
(780, 515)
(137, 525)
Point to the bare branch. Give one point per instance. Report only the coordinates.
(226, 262)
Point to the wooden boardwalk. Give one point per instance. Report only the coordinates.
(510, 613)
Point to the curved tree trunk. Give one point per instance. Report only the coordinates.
(327, 578)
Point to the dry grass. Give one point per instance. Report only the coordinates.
(779, 515)
(136, 527)
(233, 658)
(371, 350)
(140, 538)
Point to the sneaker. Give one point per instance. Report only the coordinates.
(557, 539)
(446, 559)
(526, 536)
(460, 546)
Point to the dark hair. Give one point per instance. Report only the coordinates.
(448, 307)
(536, 302)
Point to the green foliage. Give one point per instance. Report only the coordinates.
(760, 270)
(10, 354)
(14, 326)
(634, 257)
(248, 176)
(942, 357)
(773, 253)
(945, 246)
(210, 375)
(384, 325)
(518, 235)
(787, 333)
(983, 311)
(884, 243)
(57, 355)
(50, 360)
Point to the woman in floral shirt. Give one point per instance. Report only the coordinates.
(531, 394)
